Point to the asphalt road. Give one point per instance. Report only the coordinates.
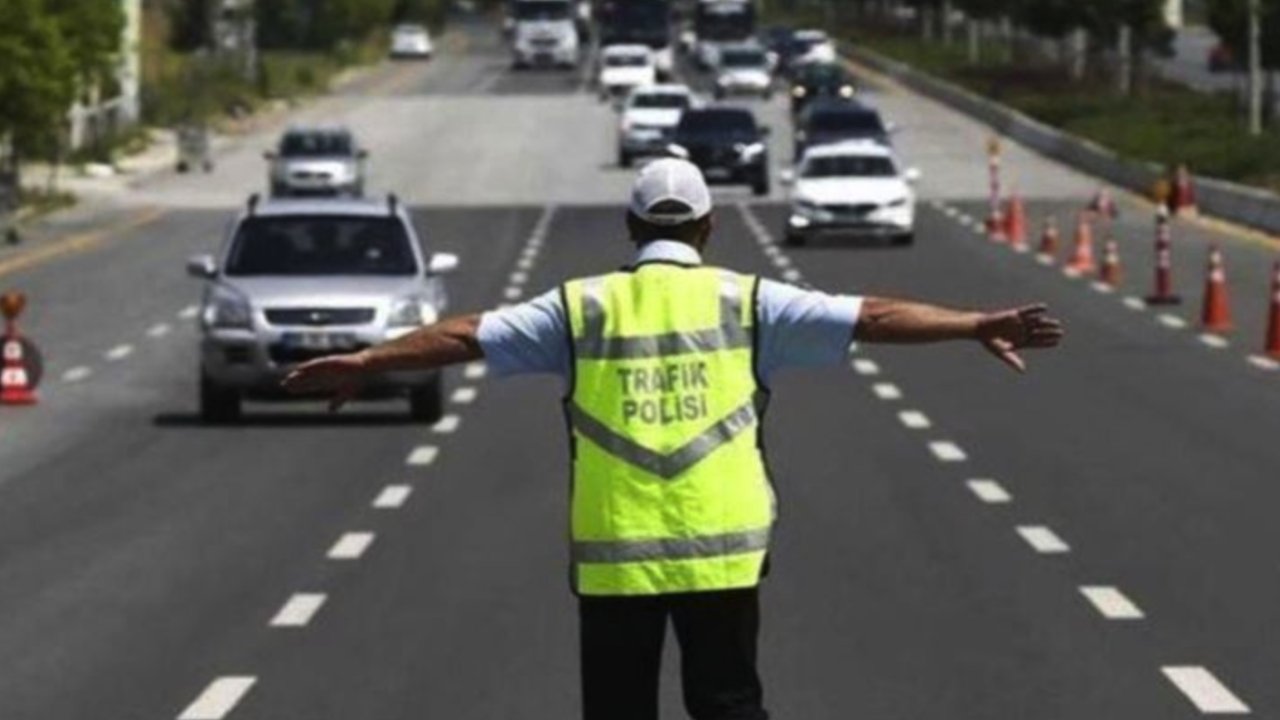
(942, 517)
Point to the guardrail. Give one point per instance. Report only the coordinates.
(1238, 203)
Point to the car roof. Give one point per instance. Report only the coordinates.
(317, 130)
(363, 207)
(838, 105)
(720, 110)
(629, 49)
(662, 89)
(850, 148)
(810, 34)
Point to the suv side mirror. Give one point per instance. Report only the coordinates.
(912, 175)
(203, 267)
(765, 131)
(269, 155)
(442, 264)
(678, 151)
(787, 177)
(362, 154)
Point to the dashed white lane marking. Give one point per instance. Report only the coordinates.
(1043, 540)
(422, 456)
(792, 275)
(392, 497)
(513, 292)
(1111, 603)
(1102, 287)
(1135, 303)
(886, 391)
(189, 312)
(990, 492)
(1262, 362)
(1071, 273)
(771, 251)
(76, 374)
(219, 698)
(1204, 690)
(158, 330)
(1217, 342)
(525, 263)
(1045, 260)
(298, 610)
(862, 366)
(447, 424)
(914, 420)
(351, 546)
(519, 277)
(463, 396)
(947, 451)
(476, 370)
(781, 261)
(1172, 321)
(119, 352)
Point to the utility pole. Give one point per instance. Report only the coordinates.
(1255, 67)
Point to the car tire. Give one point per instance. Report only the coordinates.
(426, 402)
(218, 405)
(624, 159)
(904, 239)
(760, 186)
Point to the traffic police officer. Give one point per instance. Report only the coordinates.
(667, 363)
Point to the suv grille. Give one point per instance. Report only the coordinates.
(318, 317)
(282, 355)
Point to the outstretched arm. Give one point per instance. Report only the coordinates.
(447, 342)
(1002, 333)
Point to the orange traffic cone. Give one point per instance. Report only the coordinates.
(15, 384)
(1273, 323)
(1049, 239)
(1082, 261)
(1016, 224)
(1215, 314)
(1111, 272)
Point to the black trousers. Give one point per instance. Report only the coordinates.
(622, 654)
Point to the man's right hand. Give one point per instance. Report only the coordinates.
(341, 376)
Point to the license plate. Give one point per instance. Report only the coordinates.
(717, 173)
(319, 342)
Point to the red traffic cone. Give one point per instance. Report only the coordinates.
(1111, 272)
(1103, 204)
(1082, 261)
(1163, 293)
(15, 384)
(1215, 315)
(1049, 239)
(1273, 323)
(1016, 224)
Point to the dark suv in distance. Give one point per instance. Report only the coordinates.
(727, 144)
(815, 81)
(833, 121)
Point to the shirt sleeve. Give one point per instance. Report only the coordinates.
(802, 328)
(532, 337)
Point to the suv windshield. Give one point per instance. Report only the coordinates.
(848, 166)
(542, 10)
(666, 101)
(743, 59)
(716, 124)
(320, 245)
(823, 75)
(862, 123)
(316, 144)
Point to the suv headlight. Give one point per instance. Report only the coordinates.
(752, 151)
(407, 312)
(799, 91)
(228, 309)
(900, 202)
(846, 91)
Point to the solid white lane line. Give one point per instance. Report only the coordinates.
(947, 451)
(1217, 342)
(1135, 303)
(298, 610)
(886, 391)
(422, 455)
(119, 352)
(351, 546)
(512, 293)
(990, 492)
(862, 366)
(158, 330)
(76, 374)
(1171, 321)
(476, 370)
(392, 497)
(219, 698)
(792, 275)
(1111, 603)
(1262, 362)
(463, 396)
(189, 312)
(914, 420)
(1204, 690)
(1043, 540)
(447, 424)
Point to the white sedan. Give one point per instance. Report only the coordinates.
(855, 187)
(649, 118)
(623, 67)
(411, 41)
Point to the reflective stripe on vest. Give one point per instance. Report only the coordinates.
(670, 491)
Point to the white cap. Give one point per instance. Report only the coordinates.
(670, 192)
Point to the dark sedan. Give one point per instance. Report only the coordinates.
(727, 144)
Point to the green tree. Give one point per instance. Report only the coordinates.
(92, 30)
(37, 78)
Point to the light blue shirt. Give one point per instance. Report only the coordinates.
(797, 327)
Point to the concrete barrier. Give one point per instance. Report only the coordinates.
(1254, 207)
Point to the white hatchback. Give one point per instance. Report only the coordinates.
(855, 188)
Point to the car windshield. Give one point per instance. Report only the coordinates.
(824, 75)
(316, 144)
(625, 61)
(321, 245)
(860, 123)
(743, 59)
(542, 10)
(413, 30)
(664, 101)
(717, 124)
(848, 166)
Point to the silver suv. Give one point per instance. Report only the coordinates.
(298, 279)
(317, 161)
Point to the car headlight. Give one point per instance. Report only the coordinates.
(799, 91)
(900, 202)
(228, 310)
(846, 91)
(752, 151)
(406, 312)
(804, 207)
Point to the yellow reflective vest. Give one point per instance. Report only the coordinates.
(670, 492)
